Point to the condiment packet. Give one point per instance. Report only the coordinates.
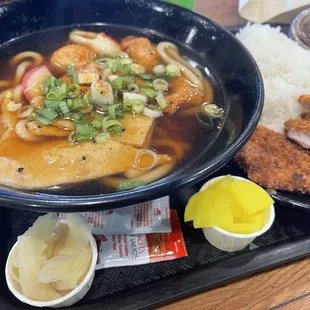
(277, 11)
(144, 218)
(130, 250)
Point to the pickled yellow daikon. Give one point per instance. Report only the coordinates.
(235, 205)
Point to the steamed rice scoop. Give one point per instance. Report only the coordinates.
(285, 68)
(52, 258)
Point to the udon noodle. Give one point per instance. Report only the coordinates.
(97, 109)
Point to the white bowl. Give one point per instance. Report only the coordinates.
(74, 296)
(230, 242)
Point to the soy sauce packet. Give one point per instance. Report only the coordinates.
(130, 250)
(144, 218)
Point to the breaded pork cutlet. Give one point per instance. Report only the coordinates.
(298, 130)
(272, 161)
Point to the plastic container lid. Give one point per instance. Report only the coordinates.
(300, 29)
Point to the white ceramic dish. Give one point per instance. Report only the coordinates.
(74, 296)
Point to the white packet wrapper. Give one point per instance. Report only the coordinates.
(143, 218)
(277, 11)
(130, 250)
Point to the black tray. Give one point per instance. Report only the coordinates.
(147, 286)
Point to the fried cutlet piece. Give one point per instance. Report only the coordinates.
(272, 161)
(298, 130)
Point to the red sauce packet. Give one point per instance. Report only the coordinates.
(130, 250)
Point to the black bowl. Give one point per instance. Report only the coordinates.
(231, 69)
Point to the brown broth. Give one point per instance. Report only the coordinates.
(182, 129)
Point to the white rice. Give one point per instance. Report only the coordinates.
(285, 67)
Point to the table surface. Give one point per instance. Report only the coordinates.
(285, 288)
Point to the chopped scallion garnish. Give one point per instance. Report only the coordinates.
(130, 185)
(72, 73)
(48, 113)
(151, 93)
(173, 70)
(160, 98)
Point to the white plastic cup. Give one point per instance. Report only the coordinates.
(230, 242)
(68, 300)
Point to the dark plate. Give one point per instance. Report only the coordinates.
(148, 286)
(295, 200)
(235, 74)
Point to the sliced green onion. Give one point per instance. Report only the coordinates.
(112, 77)
(133, 102)
(115, 111)
(151, 93)
(125, 69)
(117, 83)
(121, 83)
(97, 116)
(116, 65)
(107, 72)
(48, 85)
(146, 76)
(137, 69)
(128, 80)
(53, 104)
(86, 98)
(125, 61)
(73, 91)
(160, 98)
(173, 70)
(138, 109)
(159, 70)
(97, 124)
(133, 87)
(160, 84)
(63, 107)
(212, 110)
(130, 185)
(48, 113)
(102, 108)
(55, 96)
(153, 112)
(58, 83)
(134, 96)
(72, 73)
(75, 104)
(112, 64)
(115, 128)
(102, 137)
(86, 130)
(148, 84)
(109, 123)
(77, 117)
(39, 118)
(87, 108)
